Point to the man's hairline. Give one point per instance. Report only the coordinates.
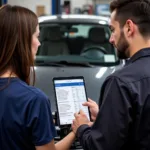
(115, 18)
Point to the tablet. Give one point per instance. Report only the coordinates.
(70, 93)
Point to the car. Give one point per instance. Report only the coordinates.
(75, 45)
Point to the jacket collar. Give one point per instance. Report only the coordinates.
(145, 52)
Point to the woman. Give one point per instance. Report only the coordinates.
(25, 114)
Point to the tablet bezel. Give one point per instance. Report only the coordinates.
(68, 78)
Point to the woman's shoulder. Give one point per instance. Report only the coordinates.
(36, 91)
(26, 91)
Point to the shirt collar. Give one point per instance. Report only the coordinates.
(141, 53)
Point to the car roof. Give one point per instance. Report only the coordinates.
(74, 18)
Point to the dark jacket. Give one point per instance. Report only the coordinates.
(123, 122)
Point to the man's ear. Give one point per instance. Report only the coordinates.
(129, 27)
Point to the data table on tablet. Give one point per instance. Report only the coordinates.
(70, 95)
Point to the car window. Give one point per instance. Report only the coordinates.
(76, 42)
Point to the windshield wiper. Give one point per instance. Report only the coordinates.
(45, 63)
(62, 63)
(82, 64)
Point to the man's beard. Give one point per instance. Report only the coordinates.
(122, 47)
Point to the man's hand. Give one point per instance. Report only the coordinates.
(80, 119)
(94, 109)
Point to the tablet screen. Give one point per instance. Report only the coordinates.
(70, 94)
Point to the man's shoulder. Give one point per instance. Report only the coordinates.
(124, 74)
(131, 73)
(120, 74)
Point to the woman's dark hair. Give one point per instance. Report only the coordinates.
(136, 10)
(17, 25)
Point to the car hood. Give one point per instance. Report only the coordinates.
(94, 78)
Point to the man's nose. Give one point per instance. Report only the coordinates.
(39, 43)
(111, 40)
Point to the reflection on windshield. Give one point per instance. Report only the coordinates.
(76, 42)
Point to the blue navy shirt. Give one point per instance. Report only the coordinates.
(123, 121)
(25, 116)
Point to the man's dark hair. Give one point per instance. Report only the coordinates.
(136, 10)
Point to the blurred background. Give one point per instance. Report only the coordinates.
(51, 7)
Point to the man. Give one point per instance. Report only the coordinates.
(123, 119)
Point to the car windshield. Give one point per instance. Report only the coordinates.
(76, 42)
